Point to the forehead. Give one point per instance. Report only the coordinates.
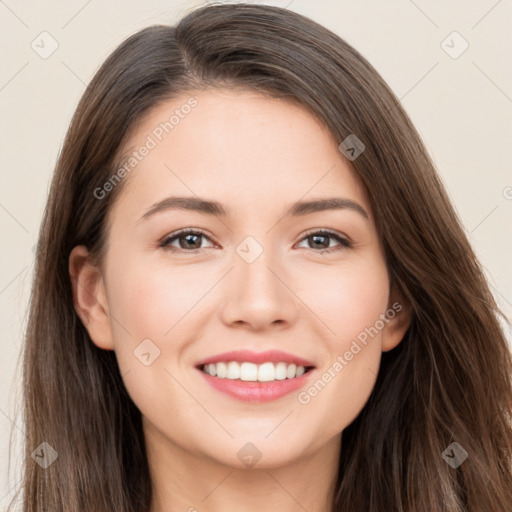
(235, 146)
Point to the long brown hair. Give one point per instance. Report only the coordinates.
(448, 381)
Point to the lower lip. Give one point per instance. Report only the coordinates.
(256, 392)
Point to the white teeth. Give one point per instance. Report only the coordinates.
(291, 371)
(280, 371)
(265, 372)
(222, 370)
(233, 370)
(248, 371)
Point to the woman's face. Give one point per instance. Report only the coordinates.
(258, 274)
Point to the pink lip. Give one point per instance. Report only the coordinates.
(269, 356)
(256, 392)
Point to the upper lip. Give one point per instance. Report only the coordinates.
(272, 356)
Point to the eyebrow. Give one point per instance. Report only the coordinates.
(297, 209)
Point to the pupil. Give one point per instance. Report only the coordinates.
(189, 237)
(316, 237)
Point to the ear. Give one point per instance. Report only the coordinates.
(399, 315)
(89, 297)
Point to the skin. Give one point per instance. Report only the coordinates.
(255, 155)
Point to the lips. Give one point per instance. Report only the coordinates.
(251, 388)
(269, 356)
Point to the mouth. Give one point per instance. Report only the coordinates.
(251, 372)
(256, 377)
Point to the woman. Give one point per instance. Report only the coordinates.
(260, 370)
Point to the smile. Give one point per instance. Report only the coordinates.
(256, 377)
(250, 372)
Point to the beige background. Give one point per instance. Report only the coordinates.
(462, 107)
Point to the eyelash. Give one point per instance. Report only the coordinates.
(343, 242)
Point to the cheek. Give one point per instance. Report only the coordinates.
(148, 305)
(347, 299)
(350, 304)
(150, 301)
(144, 306)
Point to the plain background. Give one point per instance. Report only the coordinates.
(461, 106)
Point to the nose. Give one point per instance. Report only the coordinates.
(259, 294)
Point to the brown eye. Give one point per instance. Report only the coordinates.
(188, 241)
(322, 240)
